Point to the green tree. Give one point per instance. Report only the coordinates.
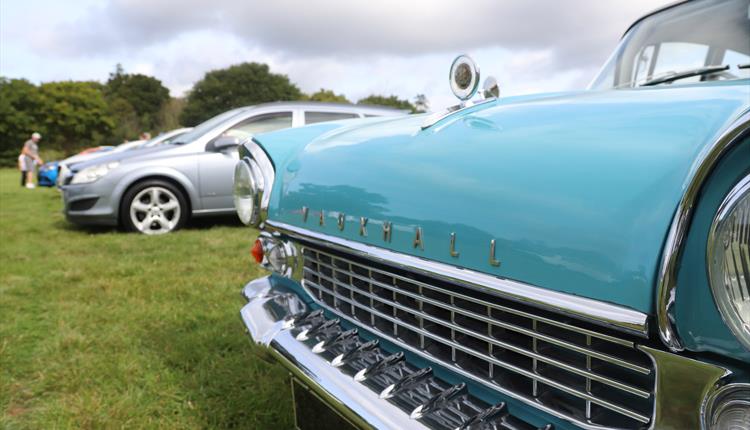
(390, 101)
(169, 116)
(74, 114)
(127, 124)
(20, 106)
(324, 95)
(145, 94)
(238, 85)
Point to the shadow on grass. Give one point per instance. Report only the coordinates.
(201, 223)
(86, 229)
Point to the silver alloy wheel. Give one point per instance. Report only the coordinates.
(155, 210)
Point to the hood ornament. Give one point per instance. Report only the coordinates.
(464, 80)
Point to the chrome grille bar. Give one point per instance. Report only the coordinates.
(560, 359)
(451, 308)
(455, 328)
(472, 299)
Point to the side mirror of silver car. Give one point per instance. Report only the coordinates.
(222, 143)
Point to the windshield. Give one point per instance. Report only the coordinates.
(165, 138)
(206, 126)
(697, 41)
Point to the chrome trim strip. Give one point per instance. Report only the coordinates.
(609, 315)
(674, 244)
(267, 170)
(451, 111)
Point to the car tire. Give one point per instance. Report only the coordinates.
(153, 207)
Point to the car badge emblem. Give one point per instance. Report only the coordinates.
(418, 242)
(493, 261)
(453, 251)
(386, 231)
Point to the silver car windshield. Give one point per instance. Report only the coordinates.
(706, 40)
(205, 127)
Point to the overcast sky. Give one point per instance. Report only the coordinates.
(355, 47)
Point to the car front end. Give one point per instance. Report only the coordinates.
(88, 194)
(571, 260)
(92, 190)
(427, 319)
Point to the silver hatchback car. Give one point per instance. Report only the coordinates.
(156, 190)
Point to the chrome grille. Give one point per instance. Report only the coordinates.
(576, 369)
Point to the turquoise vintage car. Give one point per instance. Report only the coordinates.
(569, 260)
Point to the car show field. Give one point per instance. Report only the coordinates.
(100, 329)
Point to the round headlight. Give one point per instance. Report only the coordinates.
(728, 408)
(246, 193)
(729, 260)
(464, 77)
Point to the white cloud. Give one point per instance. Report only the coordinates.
(351, 46)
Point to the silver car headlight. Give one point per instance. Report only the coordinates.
(93, 173)
(729, 260)
(247, 192)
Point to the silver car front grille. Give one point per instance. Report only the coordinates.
(578, 370)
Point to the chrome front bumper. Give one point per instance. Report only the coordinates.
(265, 315)
(275, 318)
(361, 387)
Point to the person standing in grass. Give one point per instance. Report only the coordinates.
(30, 153)
(22, 168)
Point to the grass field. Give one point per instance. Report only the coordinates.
(103, 329)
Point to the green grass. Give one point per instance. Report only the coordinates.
(104, 329)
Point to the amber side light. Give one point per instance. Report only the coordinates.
(257, 251)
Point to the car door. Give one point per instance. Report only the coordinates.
(216, 166)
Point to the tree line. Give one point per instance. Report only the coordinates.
(73, 115)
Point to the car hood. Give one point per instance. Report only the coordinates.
(122, 156)
(577, 189)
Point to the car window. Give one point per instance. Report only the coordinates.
(260, 124)
(206, 127)
(734, 59)
(669, 57)
(677, 56)
(313, 117)
(680, 42)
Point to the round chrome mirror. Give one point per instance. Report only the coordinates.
(464, 77)
(490, 88)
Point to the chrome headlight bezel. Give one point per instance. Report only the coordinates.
(246, 193)
(259, 178)
(723, 400)
(464, 77)
(734, 211)
(93, 173)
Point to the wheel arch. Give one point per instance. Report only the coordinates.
(179, 180)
